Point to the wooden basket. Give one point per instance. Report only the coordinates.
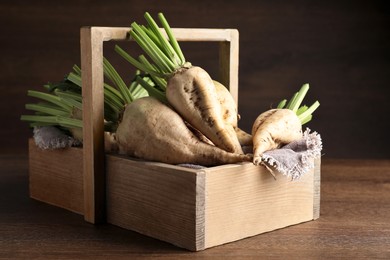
(193, 209)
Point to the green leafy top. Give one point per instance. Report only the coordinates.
(304, 112)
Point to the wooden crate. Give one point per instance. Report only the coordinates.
(199, 209)
(191, 208)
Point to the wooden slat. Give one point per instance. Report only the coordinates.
(157, 200)
(200, 212)
(228, 63)
(56, 177)
(245, 200)
(204, 35)
(181, 34)
(93, 124)
(216, 205)
(317, 188)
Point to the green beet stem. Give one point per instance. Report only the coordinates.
(304, 113)
(154, 92)
(46, 110)
(71, 102)
(77, 69)
(69, 94)
(301, 110)
(282, 104)
(299, 98)
(306, 119)
(159, 81)
(303, 117)
(69, 122)
(113, 75)
(171, 37)
(157, 55)
(136, 63)
(49, 98)
(290, 102)
(74, 78)
(166, 46)
(54, 120)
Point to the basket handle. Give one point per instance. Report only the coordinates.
(91, 41)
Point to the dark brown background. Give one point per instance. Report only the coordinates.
(340, 47)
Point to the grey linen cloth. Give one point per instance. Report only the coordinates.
(50, 137)
(292, 160)
(296, 158)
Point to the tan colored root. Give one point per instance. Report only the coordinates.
(192, 94)
(230, 114)
(273, 128)
(244, 138)
(152, 131)
(228, 105)
(198, 134)
(110, 143)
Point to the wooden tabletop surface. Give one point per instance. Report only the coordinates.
(354, 223)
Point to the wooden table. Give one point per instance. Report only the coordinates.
(354, 223)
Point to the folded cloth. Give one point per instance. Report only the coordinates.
(50, 137)
(296, 158)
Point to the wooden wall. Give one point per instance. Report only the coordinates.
(340, 47)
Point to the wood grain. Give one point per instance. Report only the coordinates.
(228, 63)
(317, 188)
(56, 177)
(245, 200)
(156, 200)
(91, 41)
